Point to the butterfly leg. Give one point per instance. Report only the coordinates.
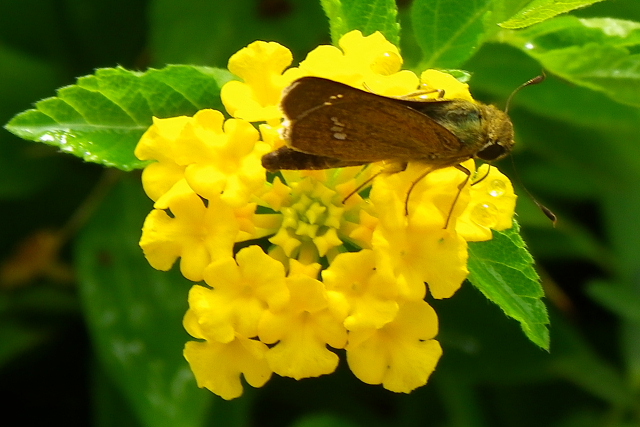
(413, 184)
(394, 168)
(478, 181)
(460, 187)
(461, 168)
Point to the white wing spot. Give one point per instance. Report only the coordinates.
(338, 129)
(336, 122)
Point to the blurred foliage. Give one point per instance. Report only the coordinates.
(90, 334)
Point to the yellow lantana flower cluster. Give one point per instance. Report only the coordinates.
(336, 274)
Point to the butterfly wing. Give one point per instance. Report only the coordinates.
(330, 119)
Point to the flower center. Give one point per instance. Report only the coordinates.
(313, 217)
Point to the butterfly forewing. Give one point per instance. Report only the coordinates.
(335, 120)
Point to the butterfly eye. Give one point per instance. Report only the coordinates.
(492, 151)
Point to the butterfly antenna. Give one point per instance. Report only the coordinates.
(545, 210)
(533, 81)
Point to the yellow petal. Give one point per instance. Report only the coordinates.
(491, 206)
(218, 367)
(260, 65)
(453, 89)
(402, 355)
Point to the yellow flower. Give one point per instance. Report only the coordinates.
(434, 80)
(214, 156)
(196, 233)
(218, 366)
(401, 355)
(315, 222)
(367, 294)
(370, 63)
(302, 330)
(242, 289)
(345, 265)
(491, 208)
(416, 246)
(260, 65)
(160, 143)
(226, 318)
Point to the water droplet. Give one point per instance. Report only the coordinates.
(485, 214)
(386, 63)
(497, 188)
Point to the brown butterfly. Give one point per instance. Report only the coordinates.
(330, 124)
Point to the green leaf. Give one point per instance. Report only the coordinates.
(102, 117)
(502, 269)
(368, 16)
(541, 10)
(595, 53)
(554, 98)
(134, 314)
(449, 31)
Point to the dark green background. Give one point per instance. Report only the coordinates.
(578, 152)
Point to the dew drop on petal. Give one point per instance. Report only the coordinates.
(386, 63)
(485, 214)
(496, 188)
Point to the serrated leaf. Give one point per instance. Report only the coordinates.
(594, 53)
(502, 269)
(367, 16)
(134, 314)
(541, 10)
(449, 31)
(101, 118)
